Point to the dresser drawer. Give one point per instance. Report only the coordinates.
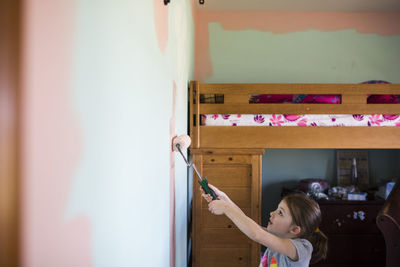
(224, 237)
(349, 219)
(228, 175)
(356, 249)
(209, 220)
(240, 195)
(227, 159)
(229, 257)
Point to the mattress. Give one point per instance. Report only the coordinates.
(300, 120)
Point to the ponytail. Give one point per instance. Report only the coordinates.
(319, 242)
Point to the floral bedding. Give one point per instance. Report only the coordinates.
(300, 120)
(295, 99)
(322, 99)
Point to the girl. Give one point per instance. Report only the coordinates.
(292, 236)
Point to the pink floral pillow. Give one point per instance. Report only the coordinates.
(266, 98)
(327, 99)
(381, 99)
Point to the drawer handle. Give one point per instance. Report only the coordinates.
(230, 158)
(212, 160)
(229, 226)
(240, 258)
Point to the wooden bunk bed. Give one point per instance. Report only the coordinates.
(230, 157)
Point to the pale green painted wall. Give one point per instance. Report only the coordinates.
(312, 56)
(309, 56)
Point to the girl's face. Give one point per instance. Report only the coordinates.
(280, 222)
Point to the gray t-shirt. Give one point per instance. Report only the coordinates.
(274, 259)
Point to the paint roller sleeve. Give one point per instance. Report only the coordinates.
(183, 141)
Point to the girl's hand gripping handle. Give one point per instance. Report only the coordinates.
(207, 189)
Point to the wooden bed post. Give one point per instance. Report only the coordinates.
(10, 99)
(194, 98)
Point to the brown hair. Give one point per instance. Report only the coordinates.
(307, 214)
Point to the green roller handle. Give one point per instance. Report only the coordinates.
(206, 188)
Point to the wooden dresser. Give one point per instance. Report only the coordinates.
(216, 240)
(354, 238)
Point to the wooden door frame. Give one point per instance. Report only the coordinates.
(10, 82)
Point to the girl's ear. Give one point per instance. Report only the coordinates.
(295, 229)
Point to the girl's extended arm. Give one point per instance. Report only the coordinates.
(253, 230)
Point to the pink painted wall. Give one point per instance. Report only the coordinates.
(51, 140)
(385, 24)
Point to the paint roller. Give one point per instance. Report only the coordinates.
(182, 142)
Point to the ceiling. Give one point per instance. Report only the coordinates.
(301, 5)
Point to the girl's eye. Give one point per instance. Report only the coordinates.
(280, 213)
